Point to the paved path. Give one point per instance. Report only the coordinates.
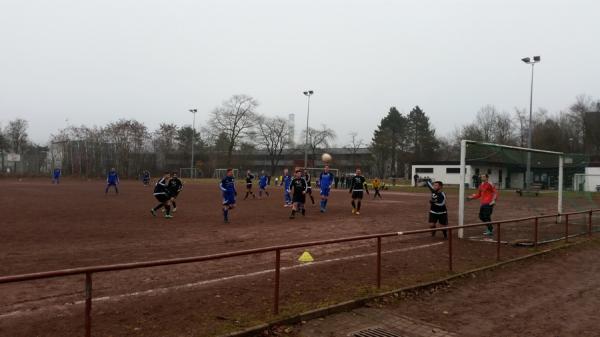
(550, 295)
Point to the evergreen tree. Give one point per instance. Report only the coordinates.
(421, 136)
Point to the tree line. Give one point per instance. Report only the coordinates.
(236, 128)
(401, 139)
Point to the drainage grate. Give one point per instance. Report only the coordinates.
(375, 332)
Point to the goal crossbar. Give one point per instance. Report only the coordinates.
(463, 164)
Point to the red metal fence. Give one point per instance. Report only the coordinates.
(89, 271)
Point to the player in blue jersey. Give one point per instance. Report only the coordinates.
(326, 179)
(286, 181)
(112, 179)
(146, 178)
(56, 176)
(229, 193)
(263, 181)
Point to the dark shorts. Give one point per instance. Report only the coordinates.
(301, 198)
(248, 186)
(442, 219)
(357, 195)
(228, 198)
(111, 184)
(485, 213)
(174, 194)
(162, 197)
(308, 190)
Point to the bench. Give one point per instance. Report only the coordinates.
(533, 189)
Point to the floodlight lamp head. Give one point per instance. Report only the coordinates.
(306, 93)
(310, 92)
(537, 58)
(526, 59)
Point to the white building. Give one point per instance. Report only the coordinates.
(449, 174)
(589, 181)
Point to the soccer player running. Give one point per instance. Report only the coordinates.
(175, 186)
(112, 179)
(286, 181)
(249, 178)
(308, 177)
(438, 211)
(487, 194)
(298, 190)
(376, 186)
(263, 181)
(229, 193)
(358, 184)
(161, 193)
(326, 179)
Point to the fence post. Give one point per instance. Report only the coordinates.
(590, 224)
(88, 304)
(277, 271)
(498, 245)
(535, 232)
(450, 250)
(567, 228)
(379, 262)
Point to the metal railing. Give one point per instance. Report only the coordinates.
(89, 271)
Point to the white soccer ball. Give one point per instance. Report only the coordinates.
(326, 157)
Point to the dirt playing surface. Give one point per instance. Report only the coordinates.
(49, 227)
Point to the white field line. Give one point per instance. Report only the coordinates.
(162, 290)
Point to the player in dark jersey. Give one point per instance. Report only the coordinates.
(263, 181)
(298, 190)
(161, 193)
(358, 184)
(229, 193)
(249, 178)
(175, 186)
(438, 211)
(308, 178)
(326, 179)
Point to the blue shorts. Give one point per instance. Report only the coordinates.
(325, 192)
(262, 187)
(111, 183)
(228, 198)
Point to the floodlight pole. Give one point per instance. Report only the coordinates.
(307, 94)
(528, 176)
(192, 171)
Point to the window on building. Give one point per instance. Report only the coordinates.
(452, 170)
(424, 170)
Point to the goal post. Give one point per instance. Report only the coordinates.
(221, 172)
(509, 167)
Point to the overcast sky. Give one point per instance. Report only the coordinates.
(92, 62)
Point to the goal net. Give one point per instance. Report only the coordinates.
(530, 182)
(315, 172)
(220, 173)
(190, 173)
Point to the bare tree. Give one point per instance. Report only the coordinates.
(319, 138)
(273, 134)
(235, 118)
(16, 134)
(354, 145)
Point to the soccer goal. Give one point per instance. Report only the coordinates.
(188, 172)
(531, 180)
(315, 172)
(220, 173)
